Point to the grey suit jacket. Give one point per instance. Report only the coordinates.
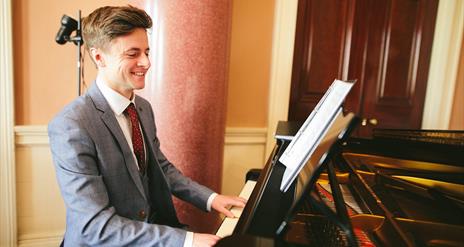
(106, 204)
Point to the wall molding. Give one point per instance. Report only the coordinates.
(8, 224)
(31, 135)
(40, 240)
(27, 135)
(245, 136)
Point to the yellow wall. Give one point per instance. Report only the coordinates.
(250, 62)
(45, 81)
(45, 72)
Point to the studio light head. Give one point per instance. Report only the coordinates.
(68, 25)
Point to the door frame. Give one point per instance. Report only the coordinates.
(8, 232)
(283, 39)
(444, 64)
(441, 79)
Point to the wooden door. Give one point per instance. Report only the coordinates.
(397, 62)
(385, 45)
(321, 52)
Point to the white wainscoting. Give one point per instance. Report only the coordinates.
(40, 208)
(244, 149)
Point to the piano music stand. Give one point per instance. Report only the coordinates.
(341, 217)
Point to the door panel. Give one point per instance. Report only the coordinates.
(320, 52)
(400, 39)
(385, 45)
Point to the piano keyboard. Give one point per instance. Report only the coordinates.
(228, 225)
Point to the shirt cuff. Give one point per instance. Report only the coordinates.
(210, 201)
(188, 239)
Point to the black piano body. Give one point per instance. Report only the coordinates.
(408, 186)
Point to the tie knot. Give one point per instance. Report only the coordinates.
(131, 110)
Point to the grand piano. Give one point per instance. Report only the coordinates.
(398, 188)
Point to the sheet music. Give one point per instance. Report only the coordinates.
(313, 130)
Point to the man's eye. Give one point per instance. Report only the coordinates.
(132, 54)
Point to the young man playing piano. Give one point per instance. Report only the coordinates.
(115, 181)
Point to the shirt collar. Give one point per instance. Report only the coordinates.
(117, 102)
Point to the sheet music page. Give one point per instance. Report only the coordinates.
(312, 131)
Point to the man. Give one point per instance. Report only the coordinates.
(115, 181)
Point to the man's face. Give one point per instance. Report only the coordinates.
(124, 62)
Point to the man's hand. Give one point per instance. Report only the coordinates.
(222, 204)
(207, 240)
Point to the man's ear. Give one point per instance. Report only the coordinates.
(97, 56)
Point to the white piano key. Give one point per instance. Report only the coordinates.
(228, 225)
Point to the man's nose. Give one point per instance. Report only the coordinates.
(144, 61)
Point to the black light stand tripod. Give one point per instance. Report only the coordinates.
(69, 25)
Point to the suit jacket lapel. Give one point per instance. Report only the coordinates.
(110, 121)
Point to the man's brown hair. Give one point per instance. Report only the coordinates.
(106, 23)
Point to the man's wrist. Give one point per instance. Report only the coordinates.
(210, 201)
(188, 239)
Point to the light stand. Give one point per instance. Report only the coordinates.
(68, 25)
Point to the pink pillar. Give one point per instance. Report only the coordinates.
(187, 87)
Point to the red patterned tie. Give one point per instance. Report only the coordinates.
(137, 140)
